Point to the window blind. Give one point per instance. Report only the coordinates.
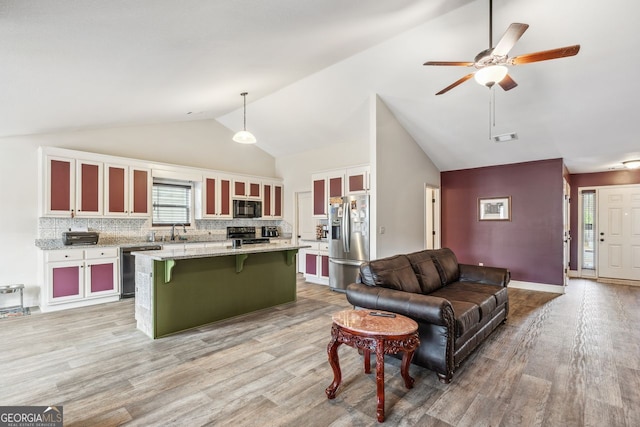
(171, 204)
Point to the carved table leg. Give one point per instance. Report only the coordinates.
(404, 370)
(367, 361)
(332, 352)
(380, 379)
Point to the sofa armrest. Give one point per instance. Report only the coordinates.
(425, 308)
(485, 275)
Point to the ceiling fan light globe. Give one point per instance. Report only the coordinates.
(488, 76)
(244, 137)
(632, 164)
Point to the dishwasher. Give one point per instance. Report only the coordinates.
(128, 268)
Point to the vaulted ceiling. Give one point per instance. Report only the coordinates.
(311, 67)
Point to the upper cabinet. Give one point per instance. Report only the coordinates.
(272, 201)
(357, 180)
(59, 186)
(337, 183)
(74, 183)
(216, 196)
(127, 190)
(247, 188)
(89, 188)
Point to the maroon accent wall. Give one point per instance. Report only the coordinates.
(620, 177)
(530, 245)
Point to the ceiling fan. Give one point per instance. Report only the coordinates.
(492, 63)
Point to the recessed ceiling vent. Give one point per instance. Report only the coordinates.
(505, 137)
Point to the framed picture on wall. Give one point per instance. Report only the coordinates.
(494, 208)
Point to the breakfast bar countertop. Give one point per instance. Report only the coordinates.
(192, 253)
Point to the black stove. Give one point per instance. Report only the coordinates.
(246, 234)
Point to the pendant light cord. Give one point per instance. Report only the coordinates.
(244, 109)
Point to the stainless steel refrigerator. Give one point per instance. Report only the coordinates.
(348, 239)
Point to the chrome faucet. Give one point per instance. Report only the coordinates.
(173, 230)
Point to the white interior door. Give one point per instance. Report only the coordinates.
(619, 232)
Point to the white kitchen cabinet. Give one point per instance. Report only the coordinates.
(337, 183)
(58, 186)
(315, 262)
(247, 188)
(89, 187)
(216, 197)
(127, 190)
(357, 180)
(79, 277)
(272, 195)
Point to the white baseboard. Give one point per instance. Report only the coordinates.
(573, 273)
(531, 286)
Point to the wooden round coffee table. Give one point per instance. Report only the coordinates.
(378, 331)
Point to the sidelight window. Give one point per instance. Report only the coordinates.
(588, 229)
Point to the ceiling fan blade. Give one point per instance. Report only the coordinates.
(456, 83)
(509, 39)
(507, 83)
(454, 63)
(544, 55)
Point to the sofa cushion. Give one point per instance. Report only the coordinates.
(499, 292)
(426, 271)
(394, 273)
(486, 302)
(467, 316)
(447, 265)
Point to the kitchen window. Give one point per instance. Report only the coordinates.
(172, 202)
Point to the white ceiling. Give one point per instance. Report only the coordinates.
(311, 67)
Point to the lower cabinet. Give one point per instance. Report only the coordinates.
(78, 277)
(315, 262)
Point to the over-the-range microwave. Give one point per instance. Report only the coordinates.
(247, 209)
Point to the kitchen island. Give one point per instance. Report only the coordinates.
(179, 289)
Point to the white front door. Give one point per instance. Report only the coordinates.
(619, 232)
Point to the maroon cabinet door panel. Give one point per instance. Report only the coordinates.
(319, 197)
(140, 196)
(310, 264)
(225, 205)
(325, 266)
(60, 185)
(277, 209)
(356, 183)
(116, 189)
(254, 190)
(335, 187)
(238, 188)
(211, 196)
(267, 200)
(66, 281)
(101, 277)
(89, 180)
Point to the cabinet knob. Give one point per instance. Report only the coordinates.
(66, 256)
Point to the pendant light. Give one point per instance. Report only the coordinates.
(244, 136)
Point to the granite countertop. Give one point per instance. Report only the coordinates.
(190, 253)
(124, 242)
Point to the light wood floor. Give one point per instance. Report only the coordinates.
(569, 360)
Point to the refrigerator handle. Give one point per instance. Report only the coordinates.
(346, 227)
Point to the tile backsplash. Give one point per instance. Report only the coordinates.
(134, 228)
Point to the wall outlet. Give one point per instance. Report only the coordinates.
(481, 264)
(382, 230)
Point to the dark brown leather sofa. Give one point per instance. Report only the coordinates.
(455, 305)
